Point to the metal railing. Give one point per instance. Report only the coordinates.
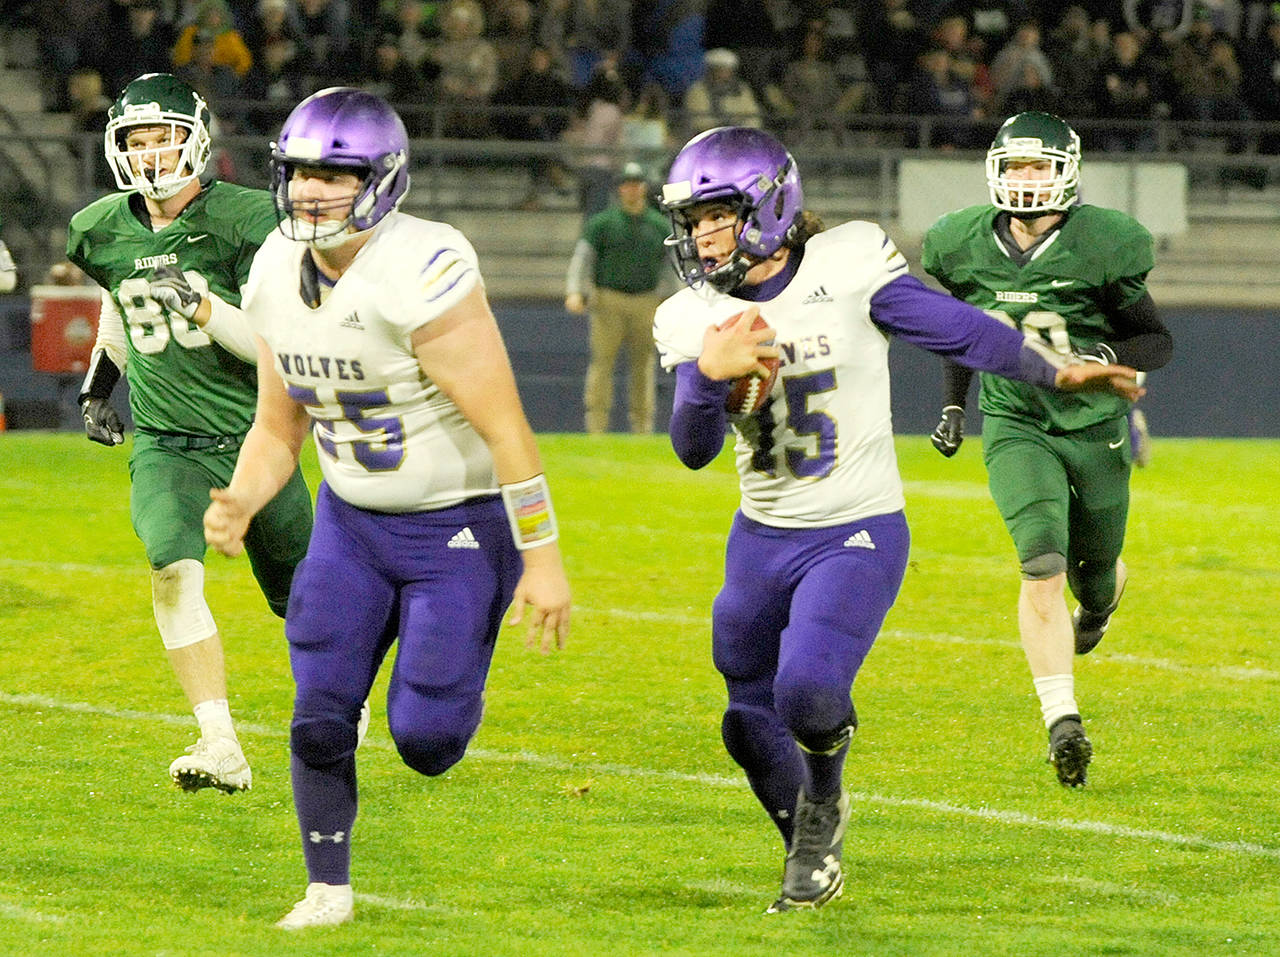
(27, 190)
(438, 121)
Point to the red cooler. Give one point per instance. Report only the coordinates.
(64, 323)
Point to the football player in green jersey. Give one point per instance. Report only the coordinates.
(170, 254)
(1074, 277)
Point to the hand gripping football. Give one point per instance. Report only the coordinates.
(750, 391)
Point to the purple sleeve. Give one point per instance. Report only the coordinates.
(908, 309)
(698, 416)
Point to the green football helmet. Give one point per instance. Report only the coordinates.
(158, 100)
(1034, 136)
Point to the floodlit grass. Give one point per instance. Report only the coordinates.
(597, 812)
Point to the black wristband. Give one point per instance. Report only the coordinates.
(100, 379)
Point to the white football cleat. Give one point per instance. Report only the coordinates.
(213, 763)
(325, 905)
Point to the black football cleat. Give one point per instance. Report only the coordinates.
(813, 874)
(1070, 751)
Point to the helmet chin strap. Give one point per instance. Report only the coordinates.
(732, 274)
(146, 184)
(1031, 216)
(160, 193)
(332, 241)
(340, 238)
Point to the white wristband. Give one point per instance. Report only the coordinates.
(528, 505)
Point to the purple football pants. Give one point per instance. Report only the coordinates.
(368, 579)
(799, 611)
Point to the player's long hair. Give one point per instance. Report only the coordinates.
(809, 226)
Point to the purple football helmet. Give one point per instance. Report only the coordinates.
(752, 173)
(351, 130)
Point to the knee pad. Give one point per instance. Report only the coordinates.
(321, 741)
(811, 702)
(177, 598)
(431, 754)
(1044, 567)
(432, 739)
(830, 741)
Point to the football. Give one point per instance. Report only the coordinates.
(749, 392)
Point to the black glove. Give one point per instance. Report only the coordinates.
(1099, 352)
(949, 434)
(171, 289)
(101, 423)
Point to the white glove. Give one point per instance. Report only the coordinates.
(171, 289)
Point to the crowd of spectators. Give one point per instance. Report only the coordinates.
(609, 73)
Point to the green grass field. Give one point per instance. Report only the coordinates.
(597, 812)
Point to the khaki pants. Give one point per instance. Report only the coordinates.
(617, 319)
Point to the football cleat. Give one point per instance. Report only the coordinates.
(213, 763)
(1090, 626)
(325, 905)
(813, 874)
(1070, 751)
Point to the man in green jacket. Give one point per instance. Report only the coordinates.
(620, 254)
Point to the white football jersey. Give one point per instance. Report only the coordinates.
(389, 440)
(821, 453)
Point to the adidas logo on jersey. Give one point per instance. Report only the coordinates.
(352, 322)
(818, 295)
(860, 539)
(464, 539)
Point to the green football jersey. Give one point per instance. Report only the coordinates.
(631, 251)
(180, 380)
(1057, 295)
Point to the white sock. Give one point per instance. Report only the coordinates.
(214, 718)
(1057, 697)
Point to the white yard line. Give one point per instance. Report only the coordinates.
(1008, 818)
(1112, 889)
(701, 619)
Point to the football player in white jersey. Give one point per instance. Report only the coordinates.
(434, 515)
(818, 548)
